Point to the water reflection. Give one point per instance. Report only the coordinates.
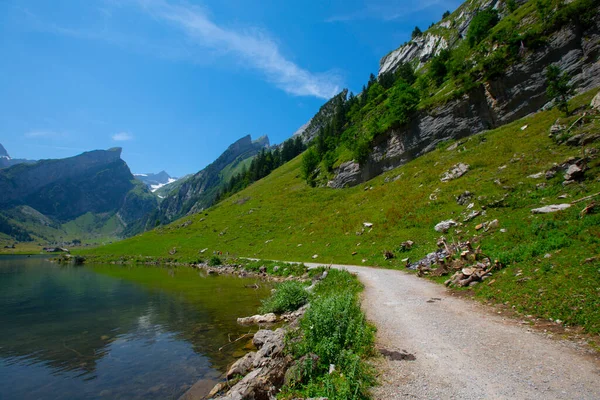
(114, 332)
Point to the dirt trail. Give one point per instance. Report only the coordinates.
(463, 351)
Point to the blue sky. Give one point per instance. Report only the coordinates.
(174, 83)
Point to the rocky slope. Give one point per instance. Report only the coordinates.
(96, 182)
(198, 191)
(520, 91)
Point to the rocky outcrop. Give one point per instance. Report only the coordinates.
(421, 49)
(519, 92)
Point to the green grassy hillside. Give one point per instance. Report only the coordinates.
(281, 217)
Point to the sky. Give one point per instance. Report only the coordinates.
(174, 83)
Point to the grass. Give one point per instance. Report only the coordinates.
(334, 331)
(282, 218)
(289, 296)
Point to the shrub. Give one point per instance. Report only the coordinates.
(289, 296)
(559, 88)
(416, 32)
(214, 261)
(481, 25)
(310, 161)
(335, 330)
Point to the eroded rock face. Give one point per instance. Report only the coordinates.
(519, 92)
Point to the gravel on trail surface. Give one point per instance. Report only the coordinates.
(437, 346)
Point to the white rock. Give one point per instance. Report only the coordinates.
(537, 176)
(444, 226)
(367, 224)
(524, 127)
(550, 209)
(596, 102)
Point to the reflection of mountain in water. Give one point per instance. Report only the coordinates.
(86, 320)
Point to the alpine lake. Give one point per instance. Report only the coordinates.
(117, 332)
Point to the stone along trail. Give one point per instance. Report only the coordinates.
(451, 348)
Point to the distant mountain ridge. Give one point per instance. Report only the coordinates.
(95, 183)
(198, 191)
(155, 181)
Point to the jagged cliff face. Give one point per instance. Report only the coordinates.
(198, 191)
(440, 37)
(96, 182)
(517, 93)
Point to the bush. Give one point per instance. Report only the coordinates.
(310, 161)
(336, 331)
(214, 261)
(289, 296)
(481, 25)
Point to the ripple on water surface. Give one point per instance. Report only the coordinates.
(115, 332)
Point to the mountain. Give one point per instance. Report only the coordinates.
(7, 161)
(82, 195)
(481, 67)
(155, 181)
(199, 191)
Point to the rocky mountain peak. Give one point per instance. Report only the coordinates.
(3, 152)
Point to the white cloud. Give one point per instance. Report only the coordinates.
(42, 134)
(252, 47)
(122, 137)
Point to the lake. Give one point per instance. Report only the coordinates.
(116, 332)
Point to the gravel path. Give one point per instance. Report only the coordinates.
(463, 351)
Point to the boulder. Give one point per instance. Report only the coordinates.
(574, 172)
(444, 226)
(550, 209)
(258, 319)
(242, 366)
(455, 172)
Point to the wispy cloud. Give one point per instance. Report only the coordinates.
(252, 47)
(122, 137)
(36, 134)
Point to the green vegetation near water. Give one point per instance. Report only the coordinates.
(334, 331)
(282, 218)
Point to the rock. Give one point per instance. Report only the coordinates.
(272, 346)
(367, 224)
(444, 226)
(524, 127)
(574, 172)
(276, 268)
(557, 128)
(467, 271)
(348, 174)
(455, 172)
(407, 245)
(595, 104)
(464, 198)
(550, 174)
(315, 256)
(537, 176)
(493, 224)
(471, 216)
(258, 319)
(550, 209)
(241, 366)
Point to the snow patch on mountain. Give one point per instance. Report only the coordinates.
(154, 188)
